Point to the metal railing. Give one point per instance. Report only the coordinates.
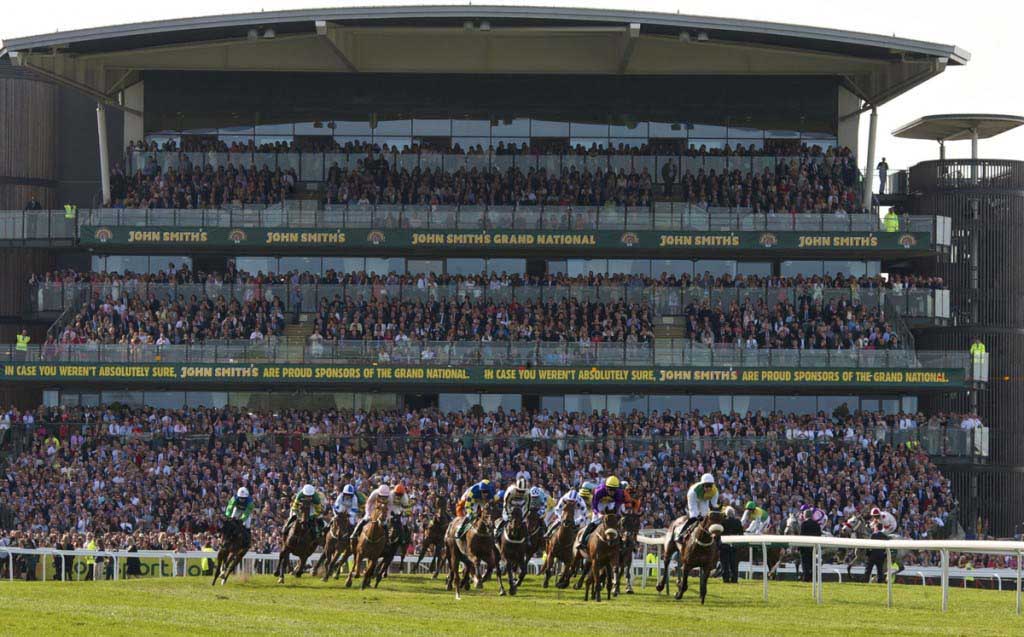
(663, 300)
(662, 216)
(26, 226)
(663, 352)
(317, 166)
(956, 174)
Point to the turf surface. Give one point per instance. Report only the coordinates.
(416, 605)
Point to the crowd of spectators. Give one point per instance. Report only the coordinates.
(324, 144)
(128, 319)
(805, 314)
(568, 320)
(818, 182)
(188, 186)
(833, 324)
(76, 479)
(182, 274)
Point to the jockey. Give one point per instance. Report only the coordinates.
(382, 495)
(701, 498)
(400, 505)
(811, 512)
(240, 507)
(573, 501)
(755, 519)
(348, 502)
(308, 493)
(587, 492)
(541, 503)
(608, 498)
(632, 502)
(516, 500)
(472, 498)
(886, 519)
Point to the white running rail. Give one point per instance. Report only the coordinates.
(818, 543)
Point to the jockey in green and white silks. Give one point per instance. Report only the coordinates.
(755, 520)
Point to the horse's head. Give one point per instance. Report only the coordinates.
(568, 517)
(612, 527)
(714, 523)
(792, 525)
(631, 523)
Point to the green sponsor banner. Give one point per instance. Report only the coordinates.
(497, 240)
(660, 378)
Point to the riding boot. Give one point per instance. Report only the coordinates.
(357, 530)
(586, 533)
(288, 525)
(466, 523)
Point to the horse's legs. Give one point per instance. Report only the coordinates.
(301, 566)
(371, 569)
(547, 569)
(684, 581)
(670, 549)
(282, 565)
(222, 555)
(352, 571)
(381, 570)
(587, 568)
(704, 573)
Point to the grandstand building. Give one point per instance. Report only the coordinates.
(586, 186)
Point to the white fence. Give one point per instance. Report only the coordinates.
(640, 567)
(818, 543)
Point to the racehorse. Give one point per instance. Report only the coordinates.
(602, 552)
(301, 541)
(581, 555)
(398, 539)
(559, 546)
(336, 545)
(697, 548)
(535, 529)
(235, 542)
(627, 548)
(857, 527)
(370, 546)
(776, 556)
(513, 548)
(474, 548)
(433, 537)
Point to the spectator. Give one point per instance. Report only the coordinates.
(883, 173)
(33, 204)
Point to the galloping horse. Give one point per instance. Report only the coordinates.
(398, 539)
(602, 552)
(474, 548)
(370, 546)
(433, 536)
(857, 527)
(559, 547)
(234, 545)
(336, 544)
(513, 548)
(627, 548)
(302, 540)
(697, 548)
(776, 556)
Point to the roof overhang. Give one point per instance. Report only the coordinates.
(956, 127)
(480, 39)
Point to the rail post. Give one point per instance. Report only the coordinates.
(888, 578)
(764, 576)
(1018, 582)
(945, 579)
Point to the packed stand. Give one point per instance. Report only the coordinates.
(819, 181)
(163, 492)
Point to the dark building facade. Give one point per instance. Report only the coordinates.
(985, 271)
